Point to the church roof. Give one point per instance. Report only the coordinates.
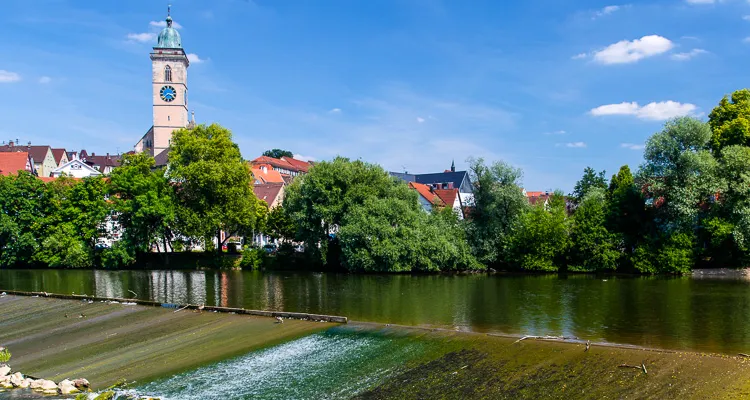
(169, 38)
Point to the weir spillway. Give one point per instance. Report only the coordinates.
(107, 340)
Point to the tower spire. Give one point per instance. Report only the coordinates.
(169, 16)
(453, 165)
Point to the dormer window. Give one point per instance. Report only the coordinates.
(167, 74)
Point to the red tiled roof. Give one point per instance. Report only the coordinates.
(533, 200)
(268, 192)
(38, 153)
(270, 175)
(425, 192)
(288, 163)
(535, 194)
(302, 166)
(102, 162)
(13, 162)
(58, 154)
(447, 195)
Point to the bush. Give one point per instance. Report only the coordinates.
(252, 258)
(117, 256)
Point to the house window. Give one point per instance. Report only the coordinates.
(167, 74)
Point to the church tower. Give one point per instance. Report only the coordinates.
(169, 65)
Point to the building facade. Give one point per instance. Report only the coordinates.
(169, 65)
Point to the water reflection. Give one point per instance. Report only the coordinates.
(680, 313)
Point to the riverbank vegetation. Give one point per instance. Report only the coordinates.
(687, 205)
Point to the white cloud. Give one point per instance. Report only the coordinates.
(688, 55)
(579, 56)
(45, 79)
(7, 76)
(142, 37)
(163, 24)
(303, 158)
(605, 11)
(420, 119)
(560, 132)
(576, 145)
(627, 51)
(746, 17)
(701, 1)
(632, 146)
(334, 111)
(660, 111)
(193, 58)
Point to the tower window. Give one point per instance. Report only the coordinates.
(167, 74)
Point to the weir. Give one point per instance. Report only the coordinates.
(105, 340)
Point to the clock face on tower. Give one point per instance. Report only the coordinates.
(168, 93)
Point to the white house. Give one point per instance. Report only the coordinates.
(76, 169)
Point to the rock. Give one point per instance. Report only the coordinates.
(36, 384)
(4, 370)
(5, 382)
(44, 385)
(17, 379)
(67, 387)
(81, 383)
(25, 383)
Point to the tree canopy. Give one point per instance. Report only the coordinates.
(278, 153)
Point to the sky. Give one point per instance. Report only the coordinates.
(548, 86)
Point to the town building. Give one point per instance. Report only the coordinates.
(11, 163)
(44, 160)
(288, 167)
(75, 168)
(446, 180)
(169, 91)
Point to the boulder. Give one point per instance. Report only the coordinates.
(4, 370)
(36, 384)
(17, 379)
(5, 382)
(44, 385)
(81, 383)
(25, 383)
(67, 387)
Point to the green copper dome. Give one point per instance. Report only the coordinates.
(169, 38)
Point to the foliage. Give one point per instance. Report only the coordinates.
(145, 203)
(590, 180)
(62, 248)
(214, 190)
(592, 245)
(4, 355)
(498, 204)
(540, 237)
(280, 225)
(278, 153)
(730, 121)
(118, 256)
(252, 258)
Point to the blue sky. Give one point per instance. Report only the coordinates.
(548, 86)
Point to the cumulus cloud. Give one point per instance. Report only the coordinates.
(688, 55)
(193, 58)
(579, 56)
(660, 111)
(334, 111)
(632, 146)
(7, 76)
(627, 51)
(163, 24)
(141, 37)
(45, 79)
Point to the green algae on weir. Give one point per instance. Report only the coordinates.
(104, 342)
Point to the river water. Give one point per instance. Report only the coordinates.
(671, 313)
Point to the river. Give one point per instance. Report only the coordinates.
(672, 313)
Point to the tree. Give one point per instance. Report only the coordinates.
(144, 201)
(214, 190)
(730, 121)
(396, 235)
(540, 237)
(590, 180)
(278, 153)
(592, 245)
(498, 204)
(280, 225)
(318, 201)
(627, 217)
(679, 174)
(21, 215)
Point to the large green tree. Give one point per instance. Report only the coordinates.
(278, 153)
(540, 237)
(590, 180)
(730, 121)
(214, 190)
(593, 247)
(145, 203)
(498, 204)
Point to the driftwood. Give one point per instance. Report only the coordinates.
(182, 308)
(544, 338)
(641, 367)
(743, 355)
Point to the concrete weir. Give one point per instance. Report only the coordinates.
(104, 340)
